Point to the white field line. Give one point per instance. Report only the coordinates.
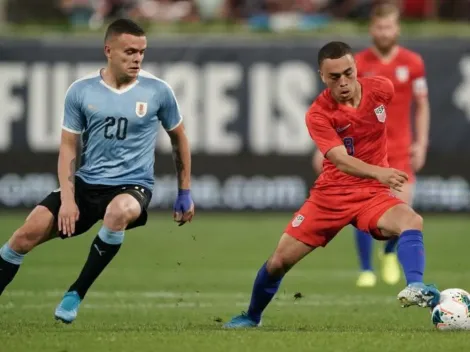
(189, 300)
(131, 294)
(175, 295)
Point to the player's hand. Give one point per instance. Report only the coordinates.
(68, 216)
(393, 178)
(418, 156)
(183, 210)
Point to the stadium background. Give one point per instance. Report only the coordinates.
(244, 74)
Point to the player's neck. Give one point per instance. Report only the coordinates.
(355, 101)
(386, 56)
(114, 81)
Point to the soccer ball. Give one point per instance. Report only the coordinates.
(452, 312)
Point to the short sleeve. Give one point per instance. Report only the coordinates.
(322, 131)
(73, 120)
(384, 89)
(169, 112)
(418, 78)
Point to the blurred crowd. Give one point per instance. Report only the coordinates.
(257, 13)
(236, 10)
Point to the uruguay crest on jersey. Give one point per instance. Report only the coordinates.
(140, 109)
(380, 113)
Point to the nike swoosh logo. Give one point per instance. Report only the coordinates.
(341, 129)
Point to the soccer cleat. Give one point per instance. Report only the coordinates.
(241, 321)
(419, 294)
(366, 279)
(390, 269)
(67, 310)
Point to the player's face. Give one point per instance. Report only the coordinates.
(340, 75)
(384, 32)
(125, 54)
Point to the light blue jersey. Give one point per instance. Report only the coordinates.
(119, 127)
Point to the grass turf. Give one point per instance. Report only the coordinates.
(170, 288)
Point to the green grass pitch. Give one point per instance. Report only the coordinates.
(170, 287)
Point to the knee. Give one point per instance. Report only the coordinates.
(24, 240)
(278, 265)
(415, 222)
(118, 215)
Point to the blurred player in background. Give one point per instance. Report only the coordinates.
(406, 70)
(347, 123)
(117, 111)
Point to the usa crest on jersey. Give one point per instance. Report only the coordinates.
(380, 113)
(297, 221)
(402, 73)
(140, 109)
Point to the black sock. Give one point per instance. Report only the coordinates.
(100, 255)
(7, 273)
(10, 262)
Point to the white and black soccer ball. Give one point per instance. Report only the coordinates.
(452, 312)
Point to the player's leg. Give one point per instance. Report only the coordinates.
(384, 216)
(288, 252)
(364, 244)
(364, 241)
(390, 267)
(305, 232)
(403, 221)
(37, 229)
(124, 210)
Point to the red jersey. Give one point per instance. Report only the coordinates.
(361, 130)
(407, 73)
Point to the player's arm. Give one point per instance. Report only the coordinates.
(356, 167)
(422, 120)
(181, 156)
(317, 161)
(331, 146)
(72, 126)
(172, 122)
(422, 117)
(66, 164)
(351, 165)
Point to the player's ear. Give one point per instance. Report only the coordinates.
(107, 51)
(321, 76)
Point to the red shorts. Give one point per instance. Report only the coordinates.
(323, 215)
(403, 164)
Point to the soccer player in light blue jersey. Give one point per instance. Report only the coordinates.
(117, 112)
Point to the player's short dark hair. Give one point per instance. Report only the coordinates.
(124, 26)
(333, 50)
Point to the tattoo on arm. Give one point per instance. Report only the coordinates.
(182, 165)
(178, 161)
(72, 174)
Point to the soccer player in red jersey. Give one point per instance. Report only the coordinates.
(347, 123)
(406, 71)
